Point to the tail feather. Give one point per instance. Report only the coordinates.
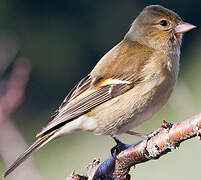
(33, 148)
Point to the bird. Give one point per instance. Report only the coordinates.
(126, 87)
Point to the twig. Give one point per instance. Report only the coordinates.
(160, 142)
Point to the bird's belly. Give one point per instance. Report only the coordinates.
(140, 116)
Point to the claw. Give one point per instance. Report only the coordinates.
(118, 148)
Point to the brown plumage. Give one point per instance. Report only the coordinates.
(127, 86)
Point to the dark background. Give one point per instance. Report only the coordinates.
(63, 40)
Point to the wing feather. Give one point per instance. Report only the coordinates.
(85, 103)
(103, 84)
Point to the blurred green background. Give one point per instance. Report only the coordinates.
(63, 40)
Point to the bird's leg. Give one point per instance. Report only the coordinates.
(149, 136)
(117, 140)
(118, 148)
(143, 136)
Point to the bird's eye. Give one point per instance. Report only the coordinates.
(163, 23)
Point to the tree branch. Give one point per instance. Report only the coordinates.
(160, 142)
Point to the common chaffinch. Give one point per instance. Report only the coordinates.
(127, 86)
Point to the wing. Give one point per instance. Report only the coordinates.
(83, 97)
(103, 83)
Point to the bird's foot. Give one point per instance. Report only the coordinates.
(118, 148)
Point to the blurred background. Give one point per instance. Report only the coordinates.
(46, 47)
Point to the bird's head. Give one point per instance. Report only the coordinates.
(159, 28)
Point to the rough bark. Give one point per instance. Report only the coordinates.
(160, 142)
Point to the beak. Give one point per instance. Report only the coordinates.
(184, 27)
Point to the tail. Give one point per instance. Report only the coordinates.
(40, 142)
